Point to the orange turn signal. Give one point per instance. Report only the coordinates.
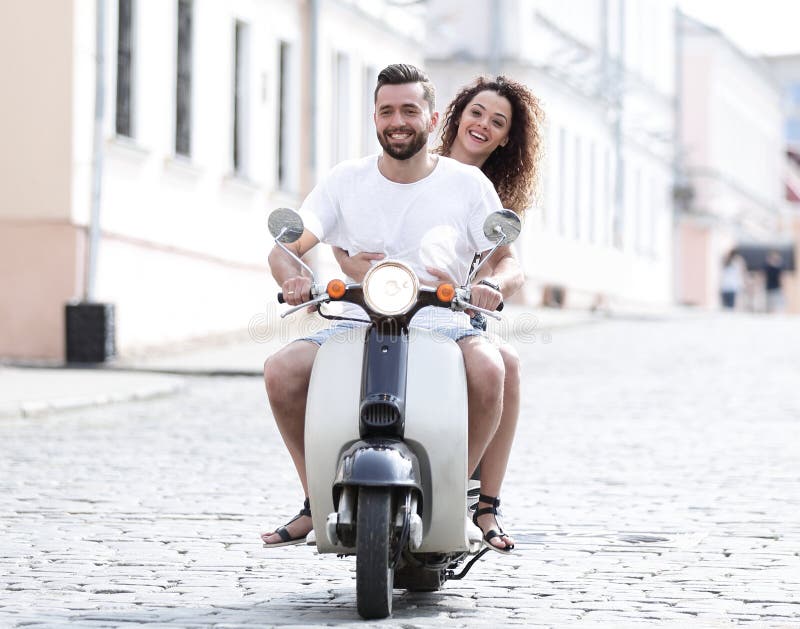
(336, 289)
(445, 293)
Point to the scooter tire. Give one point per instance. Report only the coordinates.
(374, 572)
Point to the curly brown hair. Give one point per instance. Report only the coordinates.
(513, 168)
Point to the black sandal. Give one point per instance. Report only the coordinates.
(491, 533)
(286, 537)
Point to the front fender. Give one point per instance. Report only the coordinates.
(377, 463)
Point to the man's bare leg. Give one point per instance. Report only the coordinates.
(286, 377)
(495, 458)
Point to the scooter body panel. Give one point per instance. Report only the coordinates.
(334, 396)
(435, 432)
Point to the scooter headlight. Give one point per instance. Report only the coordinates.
(390, 288)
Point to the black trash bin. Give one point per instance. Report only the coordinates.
(90, 332)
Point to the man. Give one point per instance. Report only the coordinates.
(772, 281)
(408, 204)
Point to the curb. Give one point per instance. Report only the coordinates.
(42, 408)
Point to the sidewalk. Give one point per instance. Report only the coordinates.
(32, 392)
(29, 390)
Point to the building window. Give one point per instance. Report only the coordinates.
(794, 95)
(592, 201)
(562, 183)
(793, 131)
(340, 148)
(287, 130)
(283, 111)
(608, 199)
(655, 213)
(369, 140)
(125, 52)
(638, 215)
(183, 81)
(621, 203)
(577, 229)
(241, 98)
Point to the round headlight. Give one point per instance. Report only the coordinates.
(390, 288)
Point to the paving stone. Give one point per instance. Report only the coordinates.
(647, 487)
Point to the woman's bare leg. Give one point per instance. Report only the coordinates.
(495, 458)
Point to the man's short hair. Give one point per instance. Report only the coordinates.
(402, 73)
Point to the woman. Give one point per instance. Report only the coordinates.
(731, 280)
(496, 125)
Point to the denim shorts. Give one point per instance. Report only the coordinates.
(454, 332)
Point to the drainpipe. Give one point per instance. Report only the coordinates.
(97, 153)
(89, 326)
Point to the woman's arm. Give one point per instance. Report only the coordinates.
(355, 266)
(503, 269)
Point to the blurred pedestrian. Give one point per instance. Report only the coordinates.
(772, 281)
(731, 280)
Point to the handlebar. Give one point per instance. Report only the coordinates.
(316, 291)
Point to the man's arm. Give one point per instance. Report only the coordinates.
(288, 274)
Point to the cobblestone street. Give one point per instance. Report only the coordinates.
(655, 482)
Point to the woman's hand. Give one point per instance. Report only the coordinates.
(356, 266)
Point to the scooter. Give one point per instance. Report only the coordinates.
(386, 429)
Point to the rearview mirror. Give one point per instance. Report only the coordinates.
(502, 226)
(285, 225)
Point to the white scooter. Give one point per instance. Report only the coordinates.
(386, 430)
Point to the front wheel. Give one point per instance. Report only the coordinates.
(374, 572)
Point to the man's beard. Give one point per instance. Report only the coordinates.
(419, 140)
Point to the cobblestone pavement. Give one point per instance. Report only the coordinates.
(654, 483)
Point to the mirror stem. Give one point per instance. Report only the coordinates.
(299, 261)
(486, 257)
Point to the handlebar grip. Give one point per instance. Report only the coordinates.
(500, 306)
(280, 298)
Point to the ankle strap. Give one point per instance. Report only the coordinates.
(492, 500)
(306, 510)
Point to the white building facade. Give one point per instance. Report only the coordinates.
(733, 157)
(787, 71)
(215, 113)
(602, 227)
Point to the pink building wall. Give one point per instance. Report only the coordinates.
(693, 286)
(40, 271)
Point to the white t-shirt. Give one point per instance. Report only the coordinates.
(731, 278)
(436, 221)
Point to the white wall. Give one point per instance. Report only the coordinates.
(556, 49)
(353, 30)
(732, 127)
(734, 155)
(185, 240)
